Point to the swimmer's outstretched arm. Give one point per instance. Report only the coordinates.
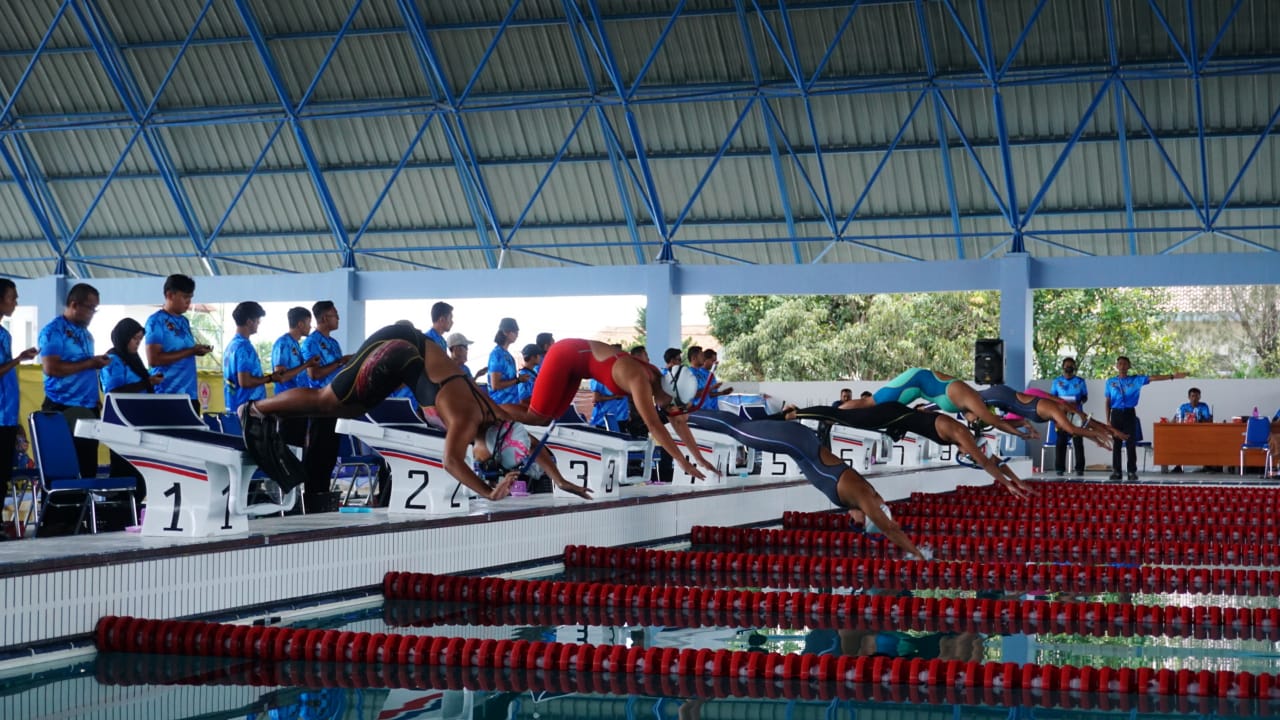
(957, 434)
(856, 492)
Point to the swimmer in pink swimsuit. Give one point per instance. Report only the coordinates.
(573, 360)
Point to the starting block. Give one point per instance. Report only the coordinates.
(414, 452)
(731, 457)
(859, 449)
(909, 451)
(197, 479)
(595, 458)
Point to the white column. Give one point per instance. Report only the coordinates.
(342, 287)
(662, 310)
(1016, 316)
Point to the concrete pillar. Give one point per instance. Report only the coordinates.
(342, 287)
(1016, 316)
(662, 310)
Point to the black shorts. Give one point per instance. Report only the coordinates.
(378, 369)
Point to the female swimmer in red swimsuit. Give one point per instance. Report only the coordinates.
(571, 361)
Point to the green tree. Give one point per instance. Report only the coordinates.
(819, 337)
(1257, 310)
(1095, 325)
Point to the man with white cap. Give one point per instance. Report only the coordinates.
(458, 348)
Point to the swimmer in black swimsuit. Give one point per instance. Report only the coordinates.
(826, 472)
(393, 356)
(896, 420)
(1039, 408)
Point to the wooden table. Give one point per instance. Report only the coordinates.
(1200, 444)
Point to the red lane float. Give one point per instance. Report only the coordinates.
(1222, 529)
(812, 680)
(839, 571)
(329, 646)
(608, 604)
(983, 549)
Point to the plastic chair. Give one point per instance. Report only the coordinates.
(1145, 445)
(1051, 441)
(55, 455)
(353, 466)
(1257, 436)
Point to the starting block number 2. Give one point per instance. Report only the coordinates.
(414, 475)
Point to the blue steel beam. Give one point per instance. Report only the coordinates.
(488, 51)
(973, 157)
(604, 52)
(766, 118)
(455, 130)
(649, 94)
(940, 127)
(657, 46)
(835, 42)
(127, 88)
(884, 160)
(1022, 38)
(1122, 132)
(613, 148)
(244, 184)
(1253, 153)
(1034, 205)
(542, 181)
(986, 60)
(1251, 134)
(1164, 155)
(1203, 61)
(1002, 127)
(793, 50)
(1185, 54)
(706, 174)
(330, 208)
(1192, 46)
(386, 188)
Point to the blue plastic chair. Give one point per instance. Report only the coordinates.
(55, 454)
(1257, 436)
(1051, 441)
(1141, 443)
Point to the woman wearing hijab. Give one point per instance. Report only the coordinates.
(126, 374)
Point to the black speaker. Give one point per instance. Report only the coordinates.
(988, 362)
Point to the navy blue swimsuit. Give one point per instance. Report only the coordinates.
(779, 436)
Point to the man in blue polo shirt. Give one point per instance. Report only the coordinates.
(171, 347)
(1123, 393)
(1074, 390)
(441, 323)
(71, 368)
(241, 366)
(322, 439)
(290, 367)
(8, 389)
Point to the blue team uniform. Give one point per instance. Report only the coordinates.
(503, 364)
(1199, 412)
(524, 391)
(240, 356)
(287, 353)
(328, 350)
(619, 408)
(173, 332)
(1124, 392)
(8, 383)
(117, 374)
(438, 339)
(1076, 388)
(64, 339)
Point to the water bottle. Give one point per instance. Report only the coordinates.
(1255, 411)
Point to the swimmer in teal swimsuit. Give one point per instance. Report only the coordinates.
(948, 393)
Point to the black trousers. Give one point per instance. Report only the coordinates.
(1060, 451)
(1126, 421)
(321, 454)
(8, 443)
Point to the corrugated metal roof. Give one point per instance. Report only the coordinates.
(220, 107)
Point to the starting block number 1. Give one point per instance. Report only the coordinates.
(175, 492)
